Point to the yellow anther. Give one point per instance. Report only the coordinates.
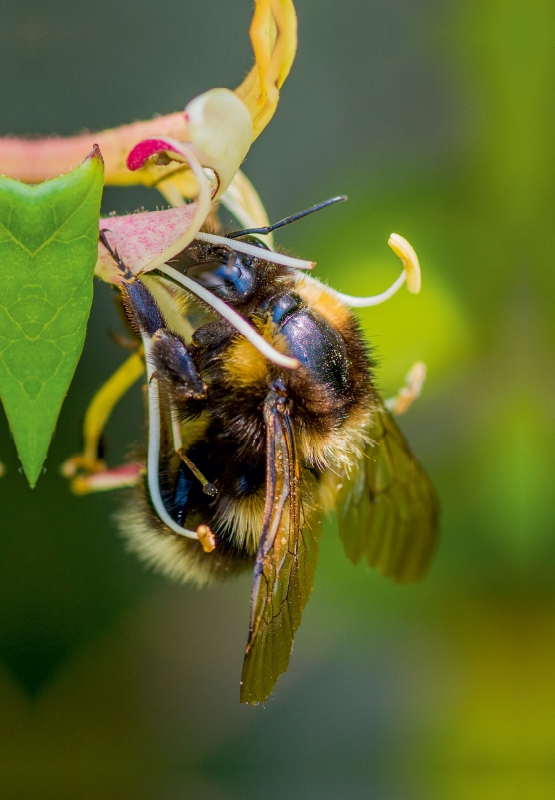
(406, 253)
(410, 392)
(206, 538)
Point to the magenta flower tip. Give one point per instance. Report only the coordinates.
(146, 149)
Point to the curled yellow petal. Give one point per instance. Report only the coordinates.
(273, 34)
(406, 253)
(263, 33)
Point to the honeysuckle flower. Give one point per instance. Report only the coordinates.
(273, 35)
(148, 240)
(172, 153)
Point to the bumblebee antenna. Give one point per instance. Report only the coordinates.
(288, 220)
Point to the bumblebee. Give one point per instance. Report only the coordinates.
(254, 436)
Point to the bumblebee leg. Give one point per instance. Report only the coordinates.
(408, 393)
(174, 366)
(96, 417)
(140, 306)
(168, 354)
(203, 532)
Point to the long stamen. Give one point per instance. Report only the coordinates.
(176, 429)
(257, 252)
(410, 274)
(373, 300)
(154, 456)
(234, 319)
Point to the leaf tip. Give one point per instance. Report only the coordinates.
(32, 474)
(95, 153)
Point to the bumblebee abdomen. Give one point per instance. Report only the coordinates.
(234, 513)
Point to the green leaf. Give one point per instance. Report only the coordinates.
(48, 251)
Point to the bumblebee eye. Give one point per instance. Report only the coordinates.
(214, 274)
(230, 274)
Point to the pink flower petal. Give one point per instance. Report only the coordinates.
(138, 157)
(140, 238)
(127, 475)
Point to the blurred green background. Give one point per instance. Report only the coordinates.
(437, 118)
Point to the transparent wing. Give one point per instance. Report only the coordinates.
(388, 508)
(285, 562)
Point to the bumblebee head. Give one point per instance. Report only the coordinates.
(234, 274)
(231, 275)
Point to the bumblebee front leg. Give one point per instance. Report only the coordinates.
(168, 354)
(174, 367)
